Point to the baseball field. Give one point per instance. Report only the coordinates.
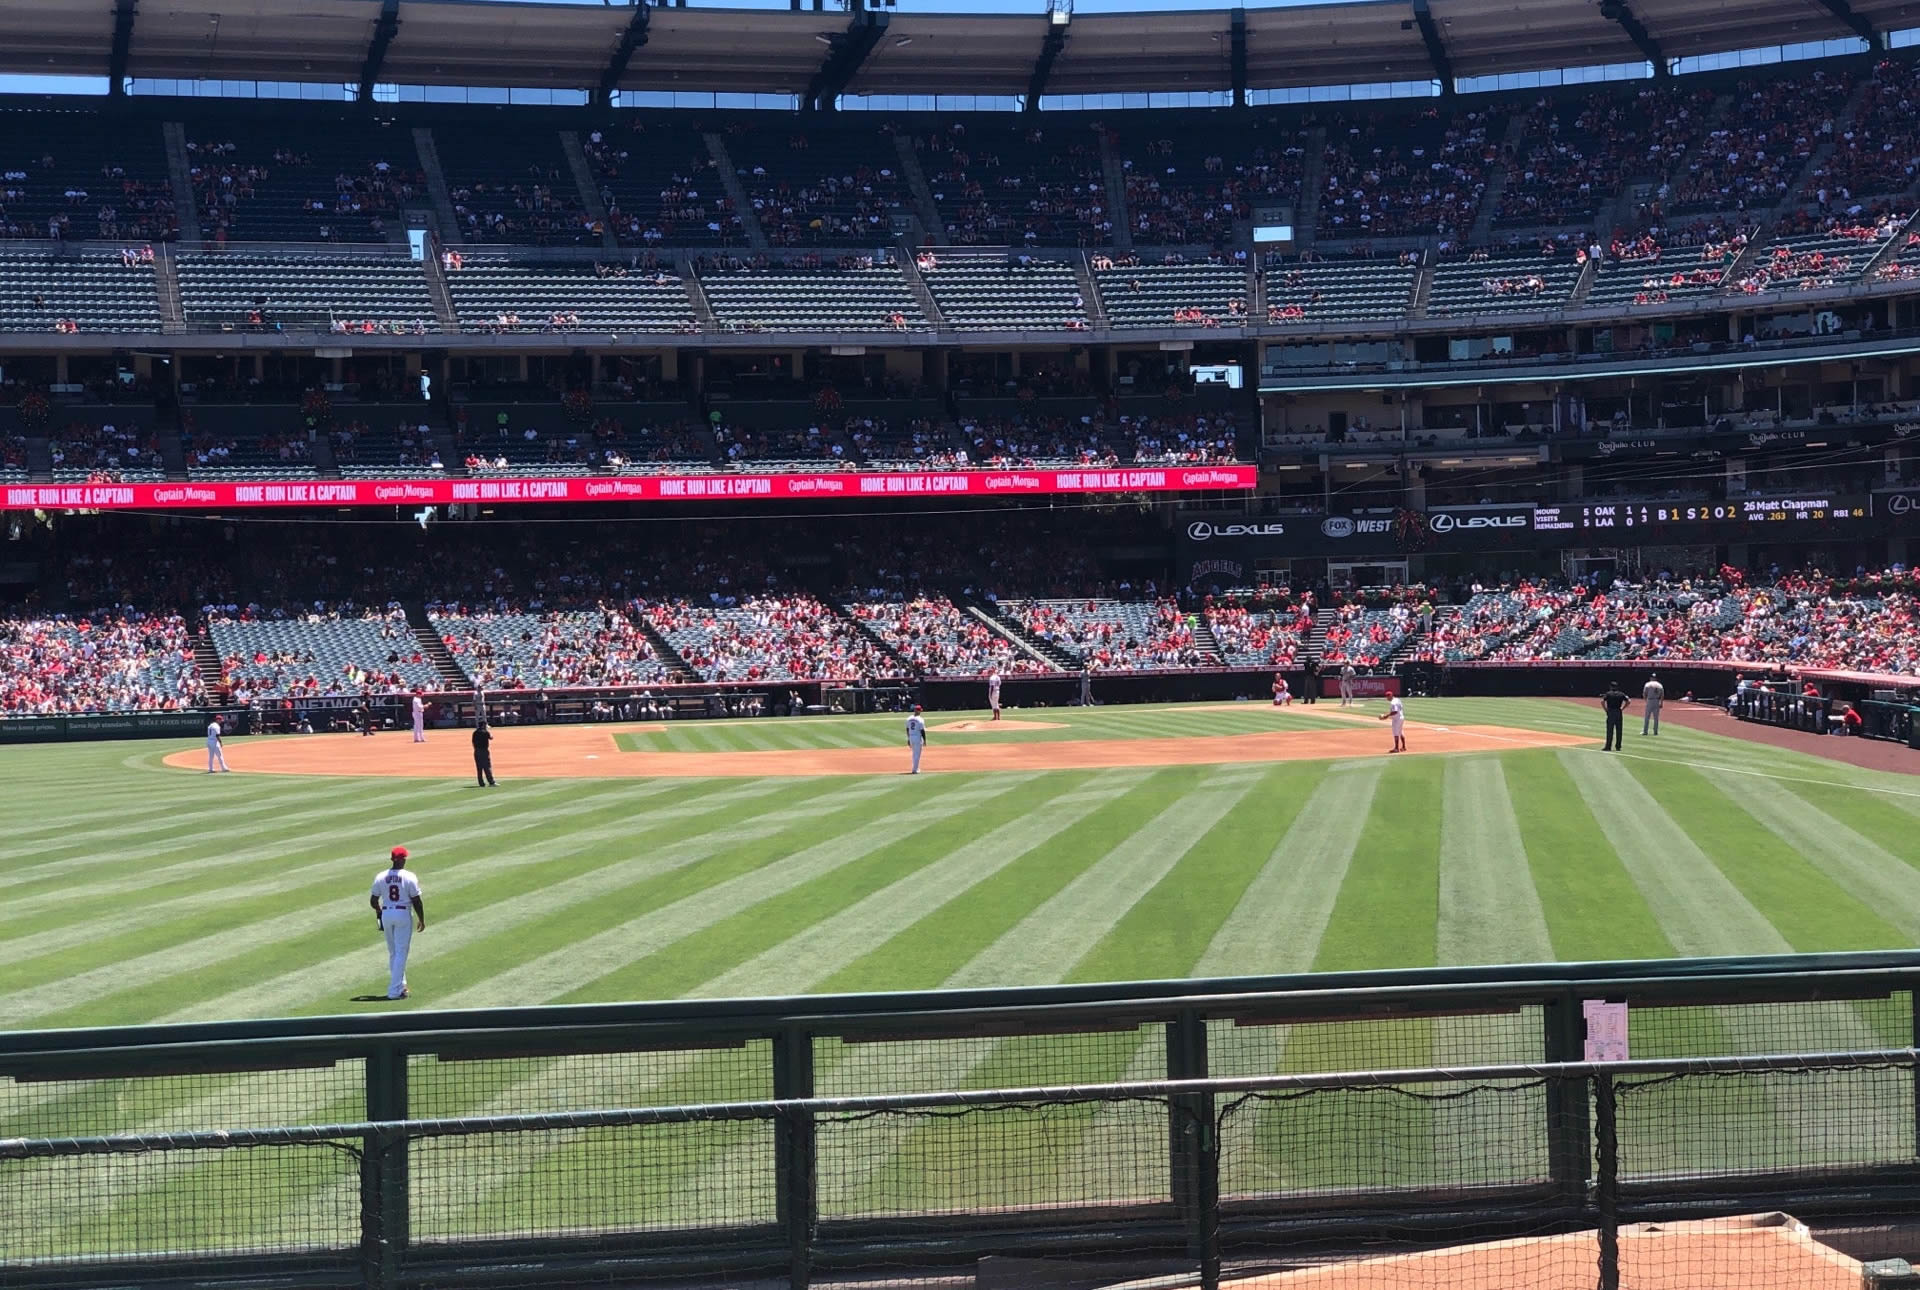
(779, 857)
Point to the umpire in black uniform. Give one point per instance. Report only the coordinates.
(1616, 702)
(1311, 690)
(483, 755)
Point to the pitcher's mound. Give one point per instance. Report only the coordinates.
(966, 727)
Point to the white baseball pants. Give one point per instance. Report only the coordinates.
(397, 926)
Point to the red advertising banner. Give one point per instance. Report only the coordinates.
(619, 488)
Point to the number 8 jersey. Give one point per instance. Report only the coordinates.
(396, 890)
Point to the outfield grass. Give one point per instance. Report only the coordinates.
(142, 894)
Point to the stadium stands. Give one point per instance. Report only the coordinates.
(103, 444)
(988, 291)
(299, 179)
(1751, 160)
(803, 294)
(1877, 153)
(824, 183)
(1642, 270)
(80, 174)
(937, 638)
(1190, 177)
(1366, 636)
(79, 291)
(1392, 173)
(1001, 182)
(659, 184)
(1579, 152)
(1115, 635)
(549, 649)
(319, 652)
(1488, 283)
(1171, 295)
(264, 290)
(766, 638)
(1340, 290)
(498, 294)
(1256, 637)
(112, 660)
(509, 183)
(1836, 255)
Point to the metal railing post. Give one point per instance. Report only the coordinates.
(1568, 1143)
(1193, 1145)
(796, 1189)
(1606, 1190)
(384, 1209)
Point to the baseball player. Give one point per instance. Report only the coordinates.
(1281, 695)
(216, 755)
(1654, 695)
(916, 738)
(993, 692)
(1396, 714)
(396, 903)
(1346, 685)
(419, 720)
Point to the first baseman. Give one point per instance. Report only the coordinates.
(419, 720)
(1346, 684)
(1397, 715)
(1654, 695)
(216, 755)
(916, 738)
(396, 903)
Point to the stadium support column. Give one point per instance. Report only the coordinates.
(845, 54)
(1621, 13)
(385, 28)
(1237, 34)
(122, 48)
(631, 42)
(1859, 26)
(1059, 17)
(1436, 48)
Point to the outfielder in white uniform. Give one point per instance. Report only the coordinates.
(1397, 715)
(916, 738)
(419, 720)
(1346, 684)
(1654, 695)
(216, 756)
(396, 903)
(993, 692)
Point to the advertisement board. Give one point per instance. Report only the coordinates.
(623, 488)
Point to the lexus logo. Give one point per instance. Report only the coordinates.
(1337, 526)
(1201, 530)
(1441, 522)
(1900, 503)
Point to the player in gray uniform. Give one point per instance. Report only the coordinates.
(1654, 694)
(1346, 684)
(916, 738)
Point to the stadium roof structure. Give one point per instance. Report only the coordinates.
(657, 48)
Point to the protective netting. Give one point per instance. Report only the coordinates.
(1536, 1176)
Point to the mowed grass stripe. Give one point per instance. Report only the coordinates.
(802, 961)
(492, 901)
(168, 904)
(1489, 910)
(890, 846)
(1767, 843)
(1593, 909)
(564, 954)
(926, 953)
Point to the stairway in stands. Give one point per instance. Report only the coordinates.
(1317, 638)
(683, 673)
(1052, 655)
(860, 628)
(452, 675)
(206, 662)
(1204, 639)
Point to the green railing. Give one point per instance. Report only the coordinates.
(537, 1145)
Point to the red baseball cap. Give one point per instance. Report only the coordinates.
(399, 853)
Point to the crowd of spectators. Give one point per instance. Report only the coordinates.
(1877, 155)
(111, 660)
(1259, 637)
(935, 637)
(688, 206)
(314, 667)
(1366, 634)
(771, 637)
(1116, 635)
(559, 648)
(1773, 127)
(104, 446)
(1576, 156)
(1098, 438)
(1389, 175)
(1036, 186)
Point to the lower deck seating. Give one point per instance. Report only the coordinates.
(262, 290)
(1357, 290)
(548, 650)
(936, 637)
(110, 661)
(766, 638)
(1115, 635)
(1482, 283)
(992, 293)
(90, 291)
(502, 294)
(341, 651)
(825, 299)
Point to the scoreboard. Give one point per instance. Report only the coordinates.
(1678, 520)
